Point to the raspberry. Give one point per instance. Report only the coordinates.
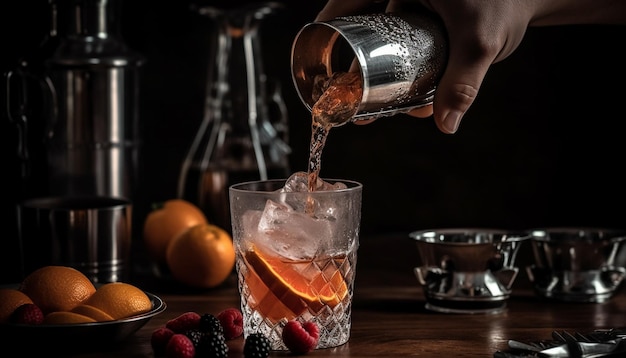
(184, 322)
(213, 345)
(210, 324)
(256, 346)
(27, 313)
(299, 337)
(232, 323)
(159, 339)
(179, 346)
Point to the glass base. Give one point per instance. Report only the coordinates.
(334, 330)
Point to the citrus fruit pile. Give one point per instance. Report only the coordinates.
(197, 253)
(64, 295)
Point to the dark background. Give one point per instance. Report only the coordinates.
(541, 146)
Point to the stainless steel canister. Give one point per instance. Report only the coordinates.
(92, 134)
(91, 234)
(401, 58)
(78, 118)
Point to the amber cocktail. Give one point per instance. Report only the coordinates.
(296, 255)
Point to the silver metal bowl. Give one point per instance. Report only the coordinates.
(468, 270)
(576, 264)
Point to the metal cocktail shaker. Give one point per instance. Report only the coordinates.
(93, 139)
(85, 135)
(75, 105)
(400, 58)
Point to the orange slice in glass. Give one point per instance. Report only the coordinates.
(292, 288)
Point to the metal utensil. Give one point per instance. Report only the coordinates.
(575, 349)
(571, 348)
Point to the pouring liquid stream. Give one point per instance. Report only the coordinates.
(337, 100)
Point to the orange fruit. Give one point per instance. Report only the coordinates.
(10, 300)
(203, 256)
(92, 312)
(120, 300)
(282, 291)
(64, 317)
(167, 221)
(57, 288)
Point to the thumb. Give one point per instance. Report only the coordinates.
(458, 89)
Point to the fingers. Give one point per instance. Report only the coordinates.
(479, 34)
(456, 92)
(473, 44)
(364, 121)
(422, 112)
(470, 56)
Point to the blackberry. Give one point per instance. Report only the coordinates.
(195, 336)
(212, 345)
(256, 346)
(210, 323)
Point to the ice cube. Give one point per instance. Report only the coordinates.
(326, 186)
(314, 206)
(291, 234)
(299, 182)
(250, 225)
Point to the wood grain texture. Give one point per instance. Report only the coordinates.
(389, 318)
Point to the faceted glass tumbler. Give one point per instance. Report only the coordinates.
(296, 265)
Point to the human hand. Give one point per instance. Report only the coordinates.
(479, 33)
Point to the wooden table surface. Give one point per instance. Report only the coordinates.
(389, 318)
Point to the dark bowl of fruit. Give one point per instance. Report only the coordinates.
(67, 337)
